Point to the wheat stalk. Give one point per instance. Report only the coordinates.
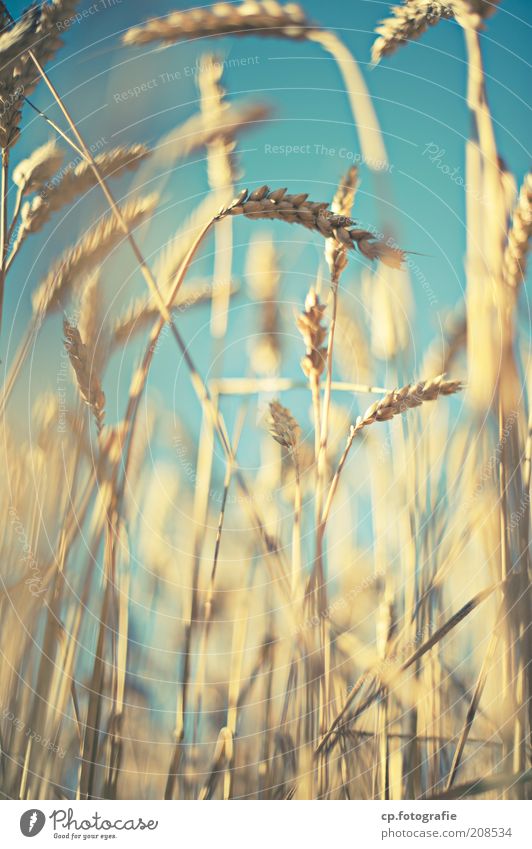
(336, 258)
(296, 209)
(262, 272)
(221, 173)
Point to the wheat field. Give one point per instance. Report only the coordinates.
(262, 537)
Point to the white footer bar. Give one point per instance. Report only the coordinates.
(272, 825)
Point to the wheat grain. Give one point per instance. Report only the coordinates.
(87, 379)
(352, 354)
(92, 324)
(296, 209)
(443, 352)
(203, 130)
(55, 18)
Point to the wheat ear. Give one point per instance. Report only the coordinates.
(406, 23)
(87, 380)
(516, 251)
(296, 209)
(63, 190)
(77, 261)
(33, 173)
(409, 21)
(266, 18)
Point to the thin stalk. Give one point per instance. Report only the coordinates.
(296, 576)
(4, 241)
(365, 117)
(257, 385)
(334, 483)
(16, 213)
(322, 450)
(473, 707)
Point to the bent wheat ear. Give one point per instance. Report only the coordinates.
(87, 380)
(266, 19)
(296, 209)
(65, 188)
(77, 261)
(409, 396)
(93, 325)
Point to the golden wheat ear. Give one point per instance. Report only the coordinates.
(278, 204)
(88, 381)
